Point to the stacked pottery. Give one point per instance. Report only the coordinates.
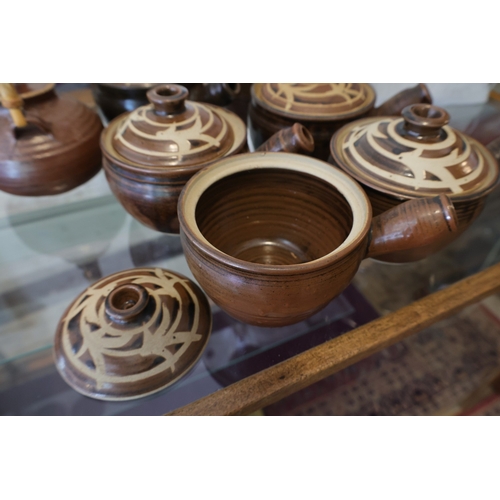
(321, 107)
(48, 144)
(415, 156)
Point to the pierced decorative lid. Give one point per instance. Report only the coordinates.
(417, 155)
(315, 101)
(173, 132)
(132, 334)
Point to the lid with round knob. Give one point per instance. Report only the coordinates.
(314, 101)
(132, 333)
(172, 132)
(416, 155)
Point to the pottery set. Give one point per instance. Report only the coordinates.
(321, 107)
(114, 99)
(271, 236)
(415, 156)
(49, 144)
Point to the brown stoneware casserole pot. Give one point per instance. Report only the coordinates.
(150, 153)
(49, 144)
(272, 238)
(415, 156)
(321, 107)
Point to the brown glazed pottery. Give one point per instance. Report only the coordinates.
(272, 238)
(322, 107)
(150, 153)
(116, 98)
(57, 147)
(419, 155)
(132, 334)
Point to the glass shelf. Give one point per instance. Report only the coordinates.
(52, 248)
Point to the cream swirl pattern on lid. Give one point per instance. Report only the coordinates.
(186, 137)
(382, 154)
(194, 134)
(132, 333)
(315, 101)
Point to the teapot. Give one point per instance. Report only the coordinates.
(49, 144)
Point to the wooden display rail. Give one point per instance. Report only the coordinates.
(279, 381)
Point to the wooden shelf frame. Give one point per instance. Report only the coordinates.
(283, 379)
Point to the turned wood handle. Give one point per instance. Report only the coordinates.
(414, 95)
(11, 100)
(417, 223)
(294, 139)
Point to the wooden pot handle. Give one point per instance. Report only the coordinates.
(11, 100)
(411, 227)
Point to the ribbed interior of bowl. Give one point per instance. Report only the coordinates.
(274, 216)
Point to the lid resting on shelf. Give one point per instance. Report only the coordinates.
(417, 155)
(132, 334)
(315, 101)
(173, 132)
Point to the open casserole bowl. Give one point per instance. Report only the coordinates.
(273, 237)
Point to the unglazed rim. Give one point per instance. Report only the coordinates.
(348, 187)
(235, 122)
(361, 110)
(399, 192)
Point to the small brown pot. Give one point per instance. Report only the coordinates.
(55, 150)
(416, 156)
(116, 98)
(321, 107)
(150, 153)
(273, 237)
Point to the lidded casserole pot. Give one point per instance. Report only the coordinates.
(150, 153)
(321, 107)
(414, 156)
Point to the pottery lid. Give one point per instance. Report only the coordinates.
(172, 131)
(314, 101)
(132, 333)
(416, 155)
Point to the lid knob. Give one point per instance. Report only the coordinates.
(424, 121)
(126, 302)
(168, 99)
